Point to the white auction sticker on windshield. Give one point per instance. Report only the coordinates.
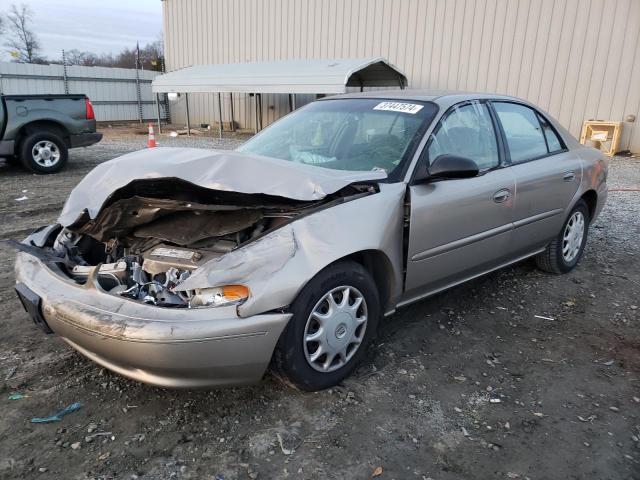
(411, 108)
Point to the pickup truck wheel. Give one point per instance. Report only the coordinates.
(334, 319)
(43, 152)
(564, 252)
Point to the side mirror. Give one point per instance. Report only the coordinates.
(448, 166)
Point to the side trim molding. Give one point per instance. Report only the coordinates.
(463, 242)
(430, 293)
(537, 218)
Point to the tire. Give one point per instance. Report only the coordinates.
(52, 156)
(564, 252)
(293, 357)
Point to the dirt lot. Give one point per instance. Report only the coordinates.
(467, 385)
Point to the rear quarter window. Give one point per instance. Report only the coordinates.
(553, 140)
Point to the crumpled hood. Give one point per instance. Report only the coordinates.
(214, 169)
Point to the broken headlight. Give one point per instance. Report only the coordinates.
(219, 296)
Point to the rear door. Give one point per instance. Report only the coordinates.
(547, 175)
(460, 227)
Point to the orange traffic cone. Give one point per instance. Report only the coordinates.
(152, 137)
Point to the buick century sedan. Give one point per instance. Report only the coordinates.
(186, 267)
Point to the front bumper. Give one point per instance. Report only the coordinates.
(84, 139)
(168, 347)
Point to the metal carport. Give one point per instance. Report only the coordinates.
(281, 76)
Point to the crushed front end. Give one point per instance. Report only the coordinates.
(130, 285)
(109, 286)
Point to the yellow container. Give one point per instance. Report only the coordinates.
(604, 135)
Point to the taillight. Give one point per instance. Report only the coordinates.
(90, 114)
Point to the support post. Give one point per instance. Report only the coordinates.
(233, 123)
(293, 101)
(138, 92)
(260, 109)
(165, 98)
(158, 110)
(220, 115)
(255, 101)
(64, 72)
(186, 101)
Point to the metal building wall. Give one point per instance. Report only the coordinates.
(576, 59)
(111, 90)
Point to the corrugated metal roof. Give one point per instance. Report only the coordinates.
(285, 76)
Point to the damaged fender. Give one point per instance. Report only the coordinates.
(277, 266)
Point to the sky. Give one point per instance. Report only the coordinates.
(90, 25)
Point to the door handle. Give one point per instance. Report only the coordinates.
(502, 195)
(569, 176)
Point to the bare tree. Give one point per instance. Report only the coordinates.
(150, 58)
(77, 57)
(152, 55)
(23, 44)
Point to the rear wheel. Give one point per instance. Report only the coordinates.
(334, 319)
(43, 152)
(563, 253)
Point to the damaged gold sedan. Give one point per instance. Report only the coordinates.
(185, 267)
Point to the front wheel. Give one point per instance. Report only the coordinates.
(564, 252)
(43, 152)
(334, 320)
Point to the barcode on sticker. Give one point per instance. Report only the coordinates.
(411, 108)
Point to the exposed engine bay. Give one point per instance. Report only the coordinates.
(151, 235)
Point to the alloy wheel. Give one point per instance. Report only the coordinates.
(45, 153)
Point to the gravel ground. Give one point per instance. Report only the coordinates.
(467, 385)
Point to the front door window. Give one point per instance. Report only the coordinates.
(466, 131)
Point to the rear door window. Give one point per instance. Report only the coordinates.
(523, 131)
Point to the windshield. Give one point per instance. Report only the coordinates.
(347, 134)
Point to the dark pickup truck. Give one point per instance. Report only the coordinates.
(38, 130)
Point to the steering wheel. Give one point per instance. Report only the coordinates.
(384, 156)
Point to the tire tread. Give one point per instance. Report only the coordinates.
(548, 260)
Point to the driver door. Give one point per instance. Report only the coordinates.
(460, 228)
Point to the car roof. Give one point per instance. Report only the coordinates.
(447, 98)
(444, 98)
